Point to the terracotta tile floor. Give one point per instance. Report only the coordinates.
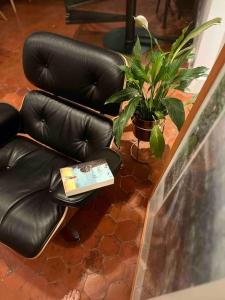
(102, 265)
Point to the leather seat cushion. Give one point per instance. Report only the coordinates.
(28, 214)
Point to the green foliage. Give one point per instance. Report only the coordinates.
(185, 76)
(123, 95)
(139, 72)
(195, 32)
(157, 58)
(178, 41)
(157, 142)
(121, 121)
(149, 82)
(175, 110)
(137, 49)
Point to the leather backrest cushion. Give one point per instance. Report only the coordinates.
(74, 70)
(73, 132)
(9, 122)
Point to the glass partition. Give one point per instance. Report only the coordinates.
(184, 237)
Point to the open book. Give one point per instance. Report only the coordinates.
(86, 176)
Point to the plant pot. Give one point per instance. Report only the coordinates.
(142, 128)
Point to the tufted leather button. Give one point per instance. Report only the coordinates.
(43, 120)
(46, 65)
(8, 167)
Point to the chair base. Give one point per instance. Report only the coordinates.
(70, 233)
(69, 213)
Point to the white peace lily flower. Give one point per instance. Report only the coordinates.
(141, 21)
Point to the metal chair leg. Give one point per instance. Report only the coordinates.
(71, 232)
(13, 6)
(3, 16)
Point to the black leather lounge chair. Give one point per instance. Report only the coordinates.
(70, 76)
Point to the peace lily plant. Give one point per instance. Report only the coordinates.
(148, 84)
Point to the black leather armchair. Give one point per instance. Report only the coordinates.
(61, 131)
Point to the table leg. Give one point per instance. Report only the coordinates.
(130, 26)
(157, 6)
(167, 5)
(123, 39)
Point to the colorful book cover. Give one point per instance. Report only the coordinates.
(86, 176)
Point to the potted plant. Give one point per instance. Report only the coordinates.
(148, 84)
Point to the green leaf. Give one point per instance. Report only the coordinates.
(120, 122)
(123, 95)
(138, 72)
(156, 59)
(184, 55)
(178, 41)
(128, 60)
(157, 142)
(175, 110)
(195, 32)
(169, 71)
(131, 81)
(185, 76)
(159, 114)
(137, 49)
(135, 73)
(187, 52)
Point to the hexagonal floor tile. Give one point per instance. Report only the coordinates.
(94, 261)
(95, 286)
(109, 246)
(127, 230)
(106, 226)
(54, 270)
(118, 290)
(4, 268)
(129, 251)
(113, 268)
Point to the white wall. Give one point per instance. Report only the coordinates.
(210, 42)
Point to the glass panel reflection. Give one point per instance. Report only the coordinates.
(185, 238)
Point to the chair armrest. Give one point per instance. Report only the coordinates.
(9, 122)
(114, 161)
